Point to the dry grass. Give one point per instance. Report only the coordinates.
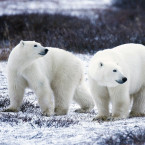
(112, 28)
(130, 138)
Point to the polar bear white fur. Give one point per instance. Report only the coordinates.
(118, 75)
(55, 75)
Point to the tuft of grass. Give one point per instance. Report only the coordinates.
(29, 107)
(56, 122)
(130, 137)
(14, 118)
(4, 102)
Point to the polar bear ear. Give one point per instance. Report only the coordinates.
(22, 43)
(101, 64)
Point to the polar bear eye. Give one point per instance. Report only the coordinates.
(35, 45)
(101, 64)
(114, 70)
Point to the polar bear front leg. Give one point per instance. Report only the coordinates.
(16, 93)
(45, 97)
(120, 103)
(138, 108)
(102, 103)
(101, 98)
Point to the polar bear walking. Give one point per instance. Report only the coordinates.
(55, 75)
(118, 75)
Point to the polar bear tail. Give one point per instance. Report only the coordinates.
(83, 97)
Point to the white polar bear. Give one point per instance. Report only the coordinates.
(56, 78)
(118, 75)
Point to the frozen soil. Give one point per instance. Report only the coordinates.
(29, 126)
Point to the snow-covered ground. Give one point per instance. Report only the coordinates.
(30, 127)
(67, 7)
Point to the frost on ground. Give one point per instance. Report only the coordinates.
(29, 126)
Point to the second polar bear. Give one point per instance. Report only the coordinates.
(55, 75)
(118, 75)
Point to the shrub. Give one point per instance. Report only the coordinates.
(112, 28)
(129, 4)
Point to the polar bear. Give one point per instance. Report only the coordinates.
(118, 76)
(55, 76)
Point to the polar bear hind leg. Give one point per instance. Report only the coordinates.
(138, 108)
(83, 97)
(63, 92)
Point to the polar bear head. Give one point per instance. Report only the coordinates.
(107, 73)
(24, 54)
(32, 49)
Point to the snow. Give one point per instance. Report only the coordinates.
(67, 7)
(30, 127)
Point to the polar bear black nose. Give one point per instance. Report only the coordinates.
(124, 79)
(46, 50)
(43, 52)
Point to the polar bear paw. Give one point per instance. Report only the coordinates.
(100, 118)
(47, 113)
(114, 118)
(10, 109)
(136, 114)
(59, 111)
(83, 110)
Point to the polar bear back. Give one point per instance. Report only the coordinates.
(60, 62)
(133, 56)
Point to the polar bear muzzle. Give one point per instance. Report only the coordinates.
(44, 52)
(123, 80)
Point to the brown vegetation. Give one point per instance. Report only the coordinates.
(113, 27)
